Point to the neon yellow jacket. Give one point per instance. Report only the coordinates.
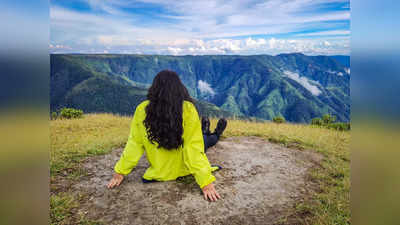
(168, 164)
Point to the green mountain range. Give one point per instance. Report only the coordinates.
(295, 86)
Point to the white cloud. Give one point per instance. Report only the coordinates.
(205, 88)
(338, 73)
(217, 16)
(326, 33)
(304, 81)
(51, 46)
(200, 27)
(248, 46)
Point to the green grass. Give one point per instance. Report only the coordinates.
(63, 208)
(95, 134)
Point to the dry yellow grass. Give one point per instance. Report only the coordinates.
(321, 139)
(73, 139)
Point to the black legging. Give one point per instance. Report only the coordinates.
(210, 140)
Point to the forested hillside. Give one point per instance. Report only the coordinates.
(295, 86)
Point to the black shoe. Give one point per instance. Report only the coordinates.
(219, 167)
(205, 125)
(221, 125)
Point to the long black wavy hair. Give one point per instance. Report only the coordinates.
(164, 112)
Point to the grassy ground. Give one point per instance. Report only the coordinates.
(74, 140)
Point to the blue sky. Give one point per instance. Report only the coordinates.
(195, 27)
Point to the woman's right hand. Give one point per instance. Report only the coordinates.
(116, 180)
(210, 193)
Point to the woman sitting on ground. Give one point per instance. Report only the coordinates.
(168, 128)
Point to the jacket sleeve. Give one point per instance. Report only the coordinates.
(133, 150)
(193, 148)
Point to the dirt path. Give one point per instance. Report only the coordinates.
(259, 183)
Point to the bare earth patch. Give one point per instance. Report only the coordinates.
(259, 183)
